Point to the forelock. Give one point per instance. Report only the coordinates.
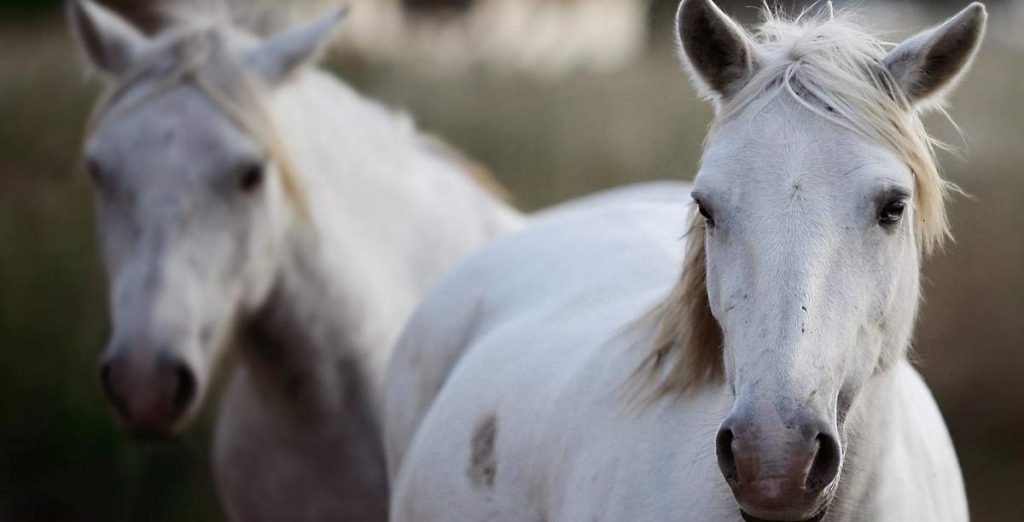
(200, 53)
(833, 67)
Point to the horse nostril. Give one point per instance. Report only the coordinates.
(825, 467)
(184, 388)
(726, 458)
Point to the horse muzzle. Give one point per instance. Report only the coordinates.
(152, 395)
(779, 471)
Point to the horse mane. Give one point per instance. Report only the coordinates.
(834, 68)
(688, 347)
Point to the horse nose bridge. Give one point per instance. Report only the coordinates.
(789, 394)
(783, 299)
(153, 298)
(783, 354)
(794, 274)
(786, 304)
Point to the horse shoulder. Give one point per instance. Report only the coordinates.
(534, 337)
(432, 342)
(439, 331)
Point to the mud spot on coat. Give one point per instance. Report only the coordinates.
(482, 465)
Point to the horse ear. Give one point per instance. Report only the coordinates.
(109, 42)
(929, 64)
(716, 50)
(276, 59)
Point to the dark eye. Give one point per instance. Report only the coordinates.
(251, 177)
(892, 213)
(709, 218)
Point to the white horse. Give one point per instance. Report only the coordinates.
(568, 373)
(248, 200)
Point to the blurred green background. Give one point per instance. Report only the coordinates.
(62, 456)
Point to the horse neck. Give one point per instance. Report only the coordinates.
(387, 215)
(871, 428)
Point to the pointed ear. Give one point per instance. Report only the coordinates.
(109, 42)
(717, 51)
(929, 64)
(277, 58)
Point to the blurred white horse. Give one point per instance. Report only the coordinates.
(574, 375)
(249, 200)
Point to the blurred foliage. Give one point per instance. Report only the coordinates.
(28, 6)
(62, 455)
(142, 12)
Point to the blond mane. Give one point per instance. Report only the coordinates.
(198, 53)
(834, 68)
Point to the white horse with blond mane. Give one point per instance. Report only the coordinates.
(248, 200)
(568, 373)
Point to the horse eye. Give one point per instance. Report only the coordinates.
(892, 213)
(708, 217)
(251, 177)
